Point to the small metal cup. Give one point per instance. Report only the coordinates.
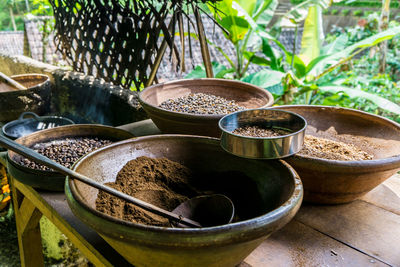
(263, 147)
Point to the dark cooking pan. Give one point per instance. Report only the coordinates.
(24, 126)
(51, 180)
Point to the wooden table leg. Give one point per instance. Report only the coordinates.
(27, 218)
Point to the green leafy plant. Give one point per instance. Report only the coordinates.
(301, 76)
(345, 12)
(365, 79)
(236, 18)
(334, 12)
(358, 13)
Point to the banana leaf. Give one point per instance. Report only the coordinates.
(381, 102)
(265, 11)
(319, 64)
(313, 35)
(299, 13)
(336, 46)
(229, 18)
(267, 79)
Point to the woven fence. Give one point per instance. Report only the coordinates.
(117, 40)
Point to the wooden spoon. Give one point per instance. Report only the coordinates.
(14, 84)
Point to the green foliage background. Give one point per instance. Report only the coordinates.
(37, 7)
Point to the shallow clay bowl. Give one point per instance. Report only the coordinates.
(266, 195)
(244, 94)
(332, 181)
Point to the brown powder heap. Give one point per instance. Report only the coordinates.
(255, 131)
(317, 147)
(161, 182)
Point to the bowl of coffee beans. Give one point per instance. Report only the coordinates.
(262, 133)
(65, 145)
(346, 153)
(195, 106)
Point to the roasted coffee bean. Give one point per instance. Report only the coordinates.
(65, 151)
(255, 131)
(201, 104)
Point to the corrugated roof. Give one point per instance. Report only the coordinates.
(34, 37)
(12, 43)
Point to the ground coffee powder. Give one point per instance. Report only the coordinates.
(318, 147)
(161, 182)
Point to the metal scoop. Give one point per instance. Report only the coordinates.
(211, 215)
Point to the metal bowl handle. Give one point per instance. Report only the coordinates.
(21, 117)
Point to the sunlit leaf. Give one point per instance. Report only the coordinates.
(336, 46)
(247, 5)
(252, 57)
(378, 100)
(320, 66)
(265, 78)
(199, 71)
(313, 35)
(265, 11)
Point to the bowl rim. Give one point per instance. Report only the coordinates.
(11, 154)
(33, 74)
(224, 131)
(384, 163)
(210, 116)
(293, 202)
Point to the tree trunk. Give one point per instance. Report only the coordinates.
(13, 19)
(27, 6)
(383, 25)
(45, 40)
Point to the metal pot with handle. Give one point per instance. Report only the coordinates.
(24, 126)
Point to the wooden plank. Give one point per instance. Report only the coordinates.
(361, 225)
(387, 195)
(26, 212)
(28, 230)
(58, 202)
(298, 245)
(85, 247)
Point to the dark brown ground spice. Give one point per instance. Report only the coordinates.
(317, 147)
(255, 131)
(161, 182)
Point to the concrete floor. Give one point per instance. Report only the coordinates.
(9, 255)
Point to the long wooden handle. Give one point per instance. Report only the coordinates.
(11, 82)
(33, 155)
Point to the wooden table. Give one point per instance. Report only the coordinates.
(365, 232)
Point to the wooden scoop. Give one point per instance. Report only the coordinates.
(12, 83)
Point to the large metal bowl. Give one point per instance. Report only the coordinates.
(332, 181)
(247, 95)
(266, 195)
(263, 147)
(51, 180)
